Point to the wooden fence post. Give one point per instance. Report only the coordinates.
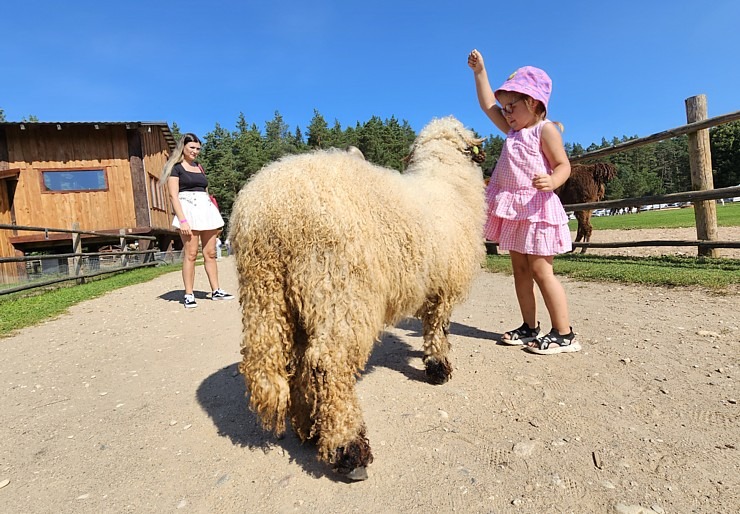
(700, 160)
(77, 248)
(124, 247)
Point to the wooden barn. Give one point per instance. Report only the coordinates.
(102, 176)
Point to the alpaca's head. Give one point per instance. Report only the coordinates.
(448, 135)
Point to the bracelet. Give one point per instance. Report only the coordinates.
(183, 221)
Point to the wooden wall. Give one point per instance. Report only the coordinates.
(43, 147)
(8, 270)
(156, 152)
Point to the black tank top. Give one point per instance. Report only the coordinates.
(190, 181)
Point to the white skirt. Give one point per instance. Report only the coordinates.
(199, 211)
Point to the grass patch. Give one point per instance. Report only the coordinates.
(728, 215)
(714, 274)
(24, 308)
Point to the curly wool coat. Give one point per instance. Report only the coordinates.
(330, 249)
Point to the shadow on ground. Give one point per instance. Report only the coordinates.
(177, 295)
(223, 394)
(223, 397)
(413, 328)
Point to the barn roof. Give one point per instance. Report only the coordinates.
(162, 125)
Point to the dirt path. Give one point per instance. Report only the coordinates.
(129, 403)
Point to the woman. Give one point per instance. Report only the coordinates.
(195, 215)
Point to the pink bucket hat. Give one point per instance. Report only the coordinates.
(530, 81)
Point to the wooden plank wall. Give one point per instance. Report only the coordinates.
(44, 147)
(8, 271)
(156, 153)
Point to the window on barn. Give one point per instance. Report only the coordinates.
(75, 180)
(157, 193)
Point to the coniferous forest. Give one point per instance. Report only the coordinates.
(230, 157)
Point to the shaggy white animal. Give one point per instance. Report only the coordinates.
(331, 249)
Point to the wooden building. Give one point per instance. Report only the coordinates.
(102, 176)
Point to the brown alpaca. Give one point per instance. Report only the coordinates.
(587, 183)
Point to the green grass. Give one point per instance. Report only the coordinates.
(728, 215)
(27, 308)
(714, 274)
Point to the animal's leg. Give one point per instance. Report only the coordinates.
(435, 319)
(339, 425)
(584, 227)
(588, 229)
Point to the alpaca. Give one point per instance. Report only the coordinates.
(587, 183)
(330, 249)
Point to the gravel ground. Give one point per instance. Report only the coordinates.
(130, 403)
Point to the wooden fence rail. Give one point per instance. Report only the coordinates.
(46, 230)
(688, 196)
(659, 136)
(77, 256)
(80, 278)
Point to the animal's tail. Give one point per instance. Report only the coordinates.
(268, 333)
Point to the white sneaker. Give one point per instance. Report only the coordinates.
(189, 301)
(220, 294)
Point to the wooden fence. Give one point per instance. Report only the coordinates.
(690, 196)
(118, 260)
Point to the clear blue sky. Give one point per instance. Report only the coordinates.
(618, 68)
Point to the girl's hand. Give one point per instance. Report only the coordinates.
(475, 61)
(543, 182)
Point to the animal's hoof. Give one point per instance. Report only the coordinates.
(352, 461)
(438, 372)
(357, 474)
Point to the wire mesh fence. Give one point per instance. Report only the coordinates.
(46, 269)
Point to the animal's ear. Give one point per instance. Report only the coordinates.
(406, 160)
(476, 153)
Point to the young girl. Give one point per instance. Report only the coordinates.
(525, 216)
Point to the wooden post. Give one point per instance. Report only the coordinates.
(145, 244)
(77, 248)
(700, 160)
(124, 247)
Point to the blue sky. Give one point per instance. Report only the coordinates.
(618, 68)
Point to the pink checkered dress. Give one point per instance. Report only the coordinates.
(521, 218)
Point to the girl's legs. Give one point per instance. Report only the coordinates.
(208, 240)
(190, 253)
(552, 292)
(524, 286)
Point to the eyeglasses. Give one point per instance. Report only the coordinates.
(509, 108)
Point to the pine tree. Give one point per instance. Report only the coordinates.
(318, 132)
(725, 147)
